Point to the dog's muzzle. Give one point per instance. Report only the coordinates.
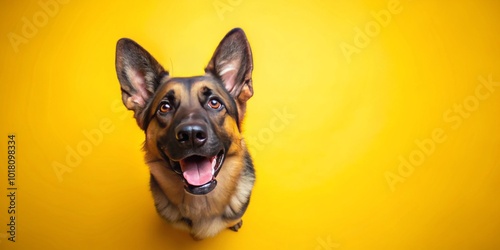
(198, 172)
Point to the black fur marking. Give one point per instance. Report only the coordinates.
(249, 168)
(237, 226)
(188, 221)
(237, 214)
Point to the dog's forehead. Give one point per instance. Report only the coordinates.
(185, 87)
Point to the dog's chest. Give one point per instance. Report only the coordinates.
(202, 206)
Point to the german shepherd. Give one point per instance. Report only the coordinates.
(201, 172)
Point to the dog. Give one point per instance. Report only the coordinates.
(201, 173)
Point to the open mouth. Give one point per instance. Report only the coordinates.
(199, 172)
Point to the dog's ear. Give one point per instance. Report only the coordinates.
(139, 75)
(232, 63)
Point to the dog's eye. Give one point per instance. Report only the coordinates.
(165, 107)
(214, 103)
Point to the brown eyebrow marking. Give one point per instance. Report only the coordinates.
(169, 89)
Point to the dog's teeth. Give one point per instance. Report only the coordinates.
(214, 161)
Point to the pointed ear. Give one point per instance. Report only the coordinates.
(139, 75)
(232, 63)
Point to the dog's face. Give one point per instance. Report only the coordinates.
(193, 122)
(190, 123)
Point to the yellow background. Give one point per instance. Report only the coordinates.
(321, 172)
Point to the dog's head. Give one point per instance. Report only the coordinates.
(190, 123)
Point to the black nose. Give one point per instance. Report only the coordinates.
(191, 135)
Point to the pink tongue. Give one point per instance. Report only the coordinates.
(197, 171)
